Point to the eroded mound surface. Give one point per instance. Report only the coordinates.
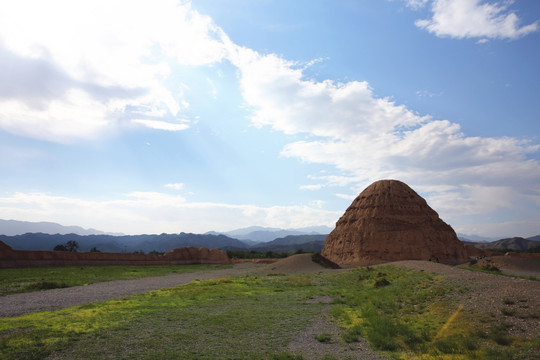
(389, 221)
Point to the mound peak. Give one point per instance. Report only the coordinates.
(389, 221)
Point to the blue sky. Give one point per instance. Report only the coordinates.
(170, 116)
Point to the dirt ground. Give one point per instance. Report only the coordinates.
(482, 295)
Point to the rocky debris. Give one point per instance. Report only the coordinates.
(387, 222)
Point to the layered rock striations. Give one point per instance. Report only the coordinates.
(387, 222)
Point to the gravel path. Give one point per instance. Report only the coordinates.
(54, 299)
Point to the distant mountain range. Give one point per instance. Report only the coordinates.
(15, 227)
(515, 243)
(23, 235)
(475, 238)
(160, 243)
(256, 234)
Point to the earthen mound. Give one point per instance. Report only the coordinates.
(387, 222)
(295, 264)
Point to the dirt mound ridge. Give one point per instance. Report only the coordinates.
(389, 221)
(295, 264)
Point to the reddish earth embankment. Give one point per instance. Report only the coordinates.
(184, 255)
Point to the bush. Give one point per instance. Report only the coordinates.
(60, 247)
(382, 282)
(491, 268)
(383, 333)
(46, 285)
(499, 334)
(449, 345)
(324, 337)
(71, 246)
(352, 335)
(508, 312)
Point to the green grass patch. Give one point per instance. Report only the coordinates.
(41, 278)
(413, 314)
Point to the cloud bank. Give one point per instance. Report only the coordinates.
(74, 71)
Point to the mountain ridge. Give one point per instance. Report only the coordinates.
(259, 234)
(18, 227)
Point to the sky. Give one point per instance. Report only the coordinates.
(191, 116)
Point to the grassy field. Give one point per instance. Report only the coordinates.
(41, 278)
(406, 314)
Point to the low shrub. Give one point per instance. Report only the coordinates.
(382, 282)
(46, 285)
(352, 334)
(499, 334)
(324, 337)
(491, 268)
(508, 311)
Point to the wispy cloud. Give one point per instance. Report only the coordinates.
(311, 187)
(175, 186)
(474, 19)
(161, 125)
(416, 4)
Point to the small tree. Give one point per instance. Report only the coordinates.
(72, 246)
(60, 247)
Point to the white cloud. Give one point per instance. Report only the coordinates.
(76, 115)
(154, 212)
(475, 19)
(269, 83)
(311, 187)
(175, 186)
(80, 68)
(416, 4)
(348, 197)
(366, 138)
(161, 125)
